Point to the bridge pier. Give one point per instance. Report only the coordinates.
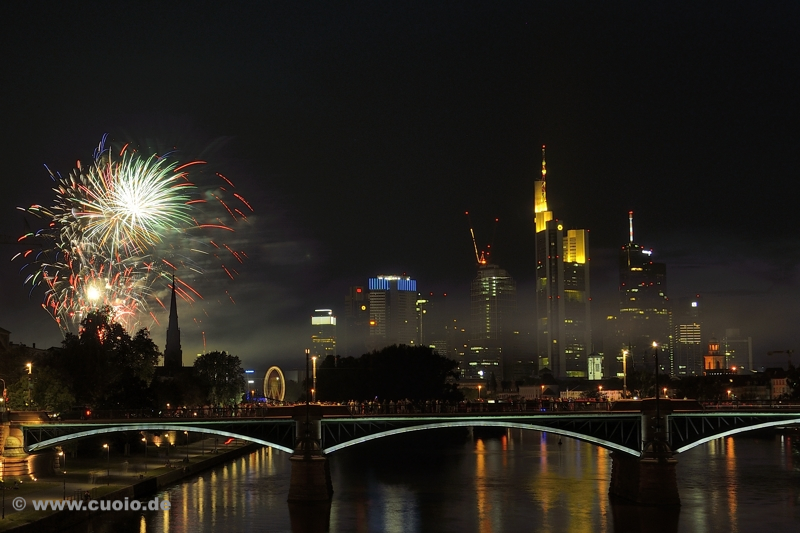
(649, 479)
(311, 475)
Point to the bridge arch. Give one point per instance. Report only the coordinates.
(485, 423)
(48, 443)
(734, 431)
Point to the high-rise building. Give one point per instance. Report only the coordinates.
(323, 334)
(738, 351)
(644, 309)
(493, 303)
(354, 334)
(173, 354)
(564, 335)
(392, 311)
(687, 337)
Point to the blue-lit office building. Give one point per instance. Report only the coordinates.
(392, 311)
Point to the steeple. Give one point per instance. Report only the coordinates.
(173, 355)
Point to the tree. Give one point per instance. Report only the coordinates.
(103, 359)
(393, 373)
(221, 376)
(50, 392)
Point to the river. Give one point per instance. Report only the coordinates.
(462, 482)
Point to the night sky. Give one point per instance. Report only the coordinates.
(362, 131)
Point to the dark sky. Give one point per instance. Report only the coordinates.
(362, 131)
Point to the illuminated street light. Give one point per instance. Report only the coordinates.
(658, 410)
(625, 373)
(108, 463)
(314, 377)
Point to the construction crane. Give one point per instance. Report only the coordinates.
(787, 352)
(483, 257)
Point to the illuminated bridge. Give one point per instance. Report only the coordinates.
(625, 429)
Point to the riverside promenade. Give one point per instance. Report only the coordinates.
(112, 477)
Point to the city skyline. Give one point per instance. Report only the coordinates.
(361, 134)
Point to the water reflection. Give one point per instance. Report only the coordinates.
(502, 482)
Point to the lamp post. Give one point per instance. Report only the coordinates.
(187, 446)
(108, 463)
(479, 392)
(144, 439)
(29, 366)
(314, 378)
(625, 373)
(658, 410)
(3, 399)
(65, 484)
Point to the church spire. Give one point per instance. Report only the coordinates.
(173, 355)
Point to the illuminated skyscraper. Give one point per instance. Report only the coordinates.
(493, 303)
(644, 309)
(353, 341)
(392, 311)
(562, 290)
(687, 338)
(323, 335)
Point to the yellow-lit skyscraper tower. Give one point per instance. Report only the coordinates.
(563, 322)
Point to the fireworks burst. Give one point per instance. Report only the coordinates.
(117, 231)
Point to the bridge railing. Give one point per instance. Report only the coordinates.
(183, 413)
(759, 405)
(454, 408)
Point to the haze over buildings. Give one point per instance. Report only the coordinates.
(360, 133)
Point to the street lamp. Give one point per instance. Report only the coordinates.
(144, 439)
(65, 484)
(314, 378)
(29, 366)
(108, 464)
(187, 446)
(658, 410)
(625, 373)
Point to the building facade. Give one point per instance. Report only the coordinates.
(563, 322)
(688, 337)
(738, 350)
(323, 333)
(644, 309)
(493, 305)
(354, 332)
(392, 311)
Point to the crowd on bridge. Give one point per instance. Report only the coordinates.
(406, 406)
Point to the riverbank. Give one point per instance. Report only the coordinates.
(107, 480)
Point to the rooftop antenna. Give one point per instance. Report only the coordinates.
(544, 164)
(630, 224)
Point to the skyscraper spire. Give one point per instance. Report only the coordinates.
(541, 214)
(544, 165)
(630, 223)
(173, 355)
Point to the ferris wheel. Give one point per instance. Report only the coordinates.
(274, 384)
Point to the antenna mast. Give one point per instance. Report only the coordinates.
(544, 165)
(630, 224)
